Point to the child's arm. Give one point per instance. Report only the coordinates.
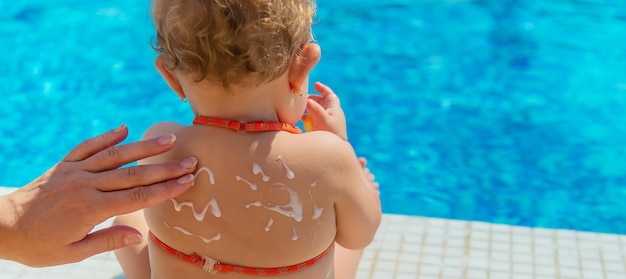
(326, 114)
(358, 204)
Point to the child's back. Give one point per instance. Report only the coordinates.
(267, 200)
(261, 199)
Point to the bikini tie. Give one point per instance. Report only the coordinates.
(253, 126)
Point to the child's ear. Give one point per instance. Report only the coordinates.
(302, 65)
(170, 78)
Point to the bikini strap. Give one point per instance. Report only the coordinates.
(253, 126)
(212, 266)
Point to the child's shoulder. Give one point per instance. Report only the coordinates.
(162, 128)
(325, 145)
(322, 138)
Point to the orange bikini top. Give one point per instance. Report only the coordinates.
(213, 266)
(253, 126)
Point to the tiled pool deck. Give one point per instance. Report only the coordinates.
(429, 248)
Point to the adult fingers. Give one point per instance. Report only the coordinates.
(133, 199)
(124, 178)
(91, 146)
(116, 156)
(105, 240)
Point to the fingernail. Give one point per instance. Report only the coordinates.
(119, 129)
(189, 162)
(167, 139)
(185, 179)
(132, 239)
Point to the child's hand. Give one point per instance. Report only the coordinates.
(325, 112)
(370, 178)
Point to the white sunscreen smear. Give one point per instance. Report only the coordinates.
(208, 171)
(199, 215)
(289, 173)
(292, 209)
(251, 184)
(294, 236)
(269, 224)
(256, 169)
(206, 240)
(317, 210)
(215, 209)
(186, 232)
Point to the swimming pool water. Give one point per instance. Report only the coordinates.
(502, 111)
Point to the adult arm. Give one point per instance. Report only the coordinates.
(48, 221)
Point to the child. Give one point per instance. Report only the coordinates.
(267, 200)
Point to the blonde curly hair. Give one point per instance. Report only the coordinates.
(232, 42)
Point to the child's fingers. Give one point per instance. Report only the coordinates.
(324, 101)
(316, 98)
(371, 176)
(308, 114)
(315, 110)
(329, 98)
(314, 116)
(362, 161)
(323, 89)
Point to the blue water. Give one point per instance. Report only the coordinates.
(494, 110)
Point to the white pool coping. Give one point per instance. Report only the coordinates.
(431, 248)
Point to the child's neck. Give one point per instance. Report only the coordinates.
(240, 103)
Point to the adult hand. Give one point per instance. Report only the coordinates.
(326, 112)
(48, 221)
